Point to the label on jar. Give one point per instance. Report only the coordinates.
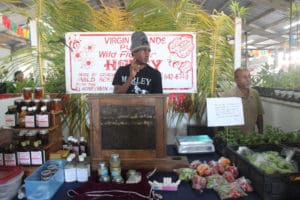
(10, 120)
(37, 157)
(10, 159)
(42, 121)
(29, 121)
(70, 174)
(23, 157)
(103, 171)
(82, 174)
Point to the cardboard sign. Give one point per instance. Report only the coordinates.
(92, 59)
(226, 111)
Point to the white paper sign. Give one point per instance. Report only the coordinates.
(92, 59)
(225, 111)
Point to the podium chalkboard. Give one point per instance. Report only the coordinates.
(134, 126)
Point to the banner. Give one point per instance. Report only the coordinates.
(92, 58)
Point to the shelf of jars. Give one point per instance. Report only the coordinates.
(36, 124)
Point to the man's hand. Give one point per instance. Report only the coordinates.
(134, 69)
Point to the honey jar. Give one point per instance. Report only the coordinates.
(38, 93)
(27, 93)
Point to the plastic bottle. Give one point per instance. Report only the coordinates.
(75, 146)
(82, 170)
(83, 145)
(70, 169)
(102, 169)
(115, 161)
(87, 162)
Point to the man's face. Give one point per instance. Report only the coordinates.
(20, 77)
(141, 55)
(243, 79)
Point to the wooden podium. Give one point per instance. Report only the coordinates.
(134, 126)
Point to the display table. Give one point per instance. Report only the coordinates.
(185, 190)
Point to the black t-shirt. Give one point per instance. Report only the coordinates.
(147, 80)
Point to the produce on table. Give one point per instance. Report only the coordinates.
(185, 174)
(269, 162)
(219, 175)
(199, 182)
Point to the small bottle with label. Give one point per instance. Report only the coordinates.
(102, 169)
(22, 116)
(115, 161)
(83, 145)
(11, 116)
(23, 154)
(75, 146)
(82, 170)
(30, 118)
(37, 154)
(87, 162)
(70, 169)
(10, 156)
(43, 118)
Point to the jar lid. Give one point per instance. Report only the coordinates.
(56, 99)
(19, 100)
(11, 107)
(27, 88)
(114, 156)
(102, 164)
(23, 132)
(38, 88)
(45, 100)
(46, 173)
(31, 133)
(43, 132)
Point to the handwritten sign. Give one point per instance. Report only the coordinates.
(92, 58)
(227, 111)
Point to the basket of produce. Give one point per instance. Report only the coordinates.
(273, 170)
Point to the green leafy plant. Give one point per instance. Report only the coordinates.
(266, 77)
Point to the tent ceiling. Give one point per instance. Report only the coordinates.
(264, 25)
(265, 22)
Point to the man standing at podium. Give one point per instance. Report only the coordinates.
(138, 77)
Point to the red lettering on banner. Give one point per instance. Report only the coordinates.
(86, 77)
(106, 77)
(114, 64)
(125, 54)
(181, 76)
(116, 40)
(156, 63)
(157, 40)
(107, 54)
